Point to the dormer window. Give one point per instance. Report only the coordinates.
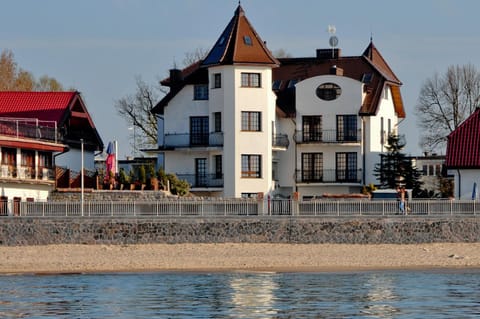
(328, 91)
(247, 40)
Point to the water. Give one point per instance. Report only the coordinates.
(380, 294)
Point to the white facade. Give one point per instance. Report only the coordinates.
(464, 181)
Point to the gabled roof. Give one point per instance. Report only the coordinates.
(192, 74)
(463, 145)
(67, 109)
(239, 43)
(356, 67)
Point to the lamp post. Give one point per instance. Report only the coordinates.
(81, 177)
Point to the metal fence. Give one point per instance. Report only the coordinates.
(240, 207)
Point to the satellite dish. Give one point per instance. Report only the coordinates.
(333, 41)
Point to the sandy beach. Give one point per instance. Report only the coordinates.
(235, 257)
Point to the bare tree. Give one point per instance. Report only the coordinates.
(194, 56)
(281, 53)
(445, 101)
(135, 109)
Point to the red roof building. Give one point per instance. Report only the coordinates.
(463, 146)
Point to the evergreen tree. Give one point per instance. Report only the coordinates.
(395, 169)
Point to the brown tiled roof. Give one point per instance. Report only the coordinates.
(239, 43)
(463, 146)
(371, 62)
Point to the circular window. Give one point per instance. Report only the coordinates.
(328, 91)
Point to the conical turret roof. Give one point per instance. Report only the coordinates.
(239, 43)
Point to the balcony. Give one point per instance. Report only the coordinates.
(184, 140)
(29, 128)
(329, 176)
(328, 136)
(203, 180)
(280, 141)
(26, 173)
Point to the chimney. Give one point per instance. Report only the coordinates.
(328, 53)
(336, 71)
(176, 77)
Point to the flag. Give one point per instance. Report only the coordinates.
(110, 160)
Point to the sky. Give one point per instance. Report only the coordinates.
(100, 47)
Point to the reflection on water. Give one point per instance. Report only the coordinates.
(243, 295)
(380, 296)
(254, 295)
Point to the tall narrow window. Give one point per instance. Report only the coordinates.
(200, 172)
(346, 167)
(217, 118)
(251, 166)
(199, 130)
(251, 121)
(312, 167)
(218, 167)
(312, 128)
(347, 128)
(200, 92)
(217, 80)
(382, 131)
(251, 80)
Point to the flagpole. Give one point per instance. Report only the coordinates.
(82, 181)
(116, 156)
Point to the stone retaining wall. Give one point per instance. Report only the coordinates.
(43, 231)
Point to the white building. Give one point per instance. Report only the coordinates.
(242, 122)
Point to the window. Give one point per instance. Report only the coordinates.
(346, 167)
(198, 130)
(312, 167)
(247, 40)
(9, 156)
(218, 167)
(200, 92)
(217, 118)
(328, 91)
(251, 166)
(251, 121)
(312, 128)
(200, 172)
(347, 128)
(217, 80)
(291, 84)
(382, 131)
(251, 80)
(45, 160)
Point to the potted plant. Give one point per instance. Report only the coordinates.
(123, 179)
(153, 178)
(131, 176)
(142, 177)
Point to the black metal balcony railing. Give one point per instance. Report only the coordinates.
(193, 140)
(329, 176)
(328, 136)
(280, 140)
(211, 139)
(202, 180)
